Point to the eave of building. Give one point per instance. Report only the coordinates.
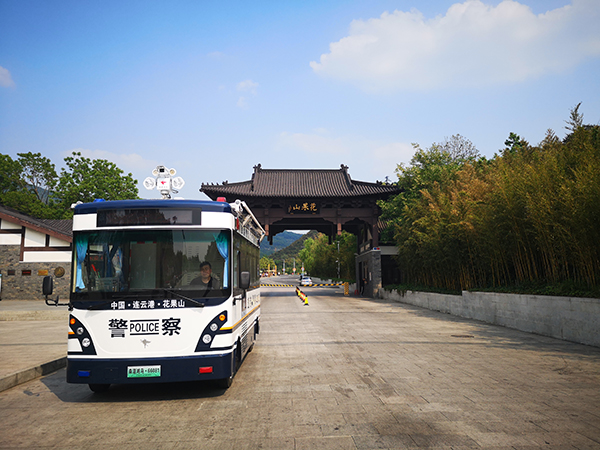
(299, 183)
(34, 224)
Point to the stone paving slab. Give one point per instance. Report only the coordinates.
(33, 341)
(342, 373)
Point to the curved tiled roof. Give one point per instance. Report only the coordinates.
(62, 229)
(299, 183)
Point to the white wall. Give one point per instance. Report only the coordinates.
(568, 318)
(6, 225)
(35, 239)
(33, 257)
(10, 239)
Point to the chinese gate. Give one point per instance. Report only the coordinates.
(328, 201)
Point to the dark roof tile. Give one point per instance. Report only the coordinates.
(299, 183)
(62, 229)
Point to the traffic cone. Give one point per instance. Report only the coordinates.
(302, 296)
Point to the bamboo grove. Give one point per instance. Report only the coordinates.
(528, 216)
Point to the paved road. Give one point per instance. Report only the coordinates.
(341, 373)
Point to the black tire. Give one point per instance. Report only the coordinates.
(253, 337)
(99, 388)
(225, 383)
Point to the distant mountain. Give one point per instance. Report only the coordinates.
(292, 250)
(280, 241)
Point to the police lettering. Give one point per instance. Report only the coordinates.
(143, 327)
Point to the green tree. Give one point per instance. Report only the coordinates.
(321, 258)
(10, 175)
(575, 119)
(528, 217)
(32, 186)
(28, 184)
(428, 168)
(39, 175)
(514, 144)
(460, 148)
(266, 263)
(86, 180)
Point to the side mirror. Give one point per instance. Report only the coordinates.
(245, 280)
(47, 285)
(47, 288)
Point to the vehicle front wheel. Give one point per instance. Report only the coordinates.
(225, 383)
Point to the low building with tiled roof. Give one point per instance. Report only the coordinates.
(30, 249)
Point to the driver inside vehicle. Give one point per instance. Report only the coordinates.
(205, 280)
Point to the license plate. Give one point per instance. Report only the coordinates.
(143, 371)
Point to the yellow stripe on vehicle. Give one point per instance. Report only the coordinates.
(241, 320)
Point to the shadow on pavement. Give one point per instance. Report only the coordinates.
(120, 393)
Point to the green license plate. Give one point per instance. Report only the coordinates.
(143, 371)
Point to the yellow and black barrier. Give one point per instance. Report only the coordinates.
(302, 296)
(277, 285)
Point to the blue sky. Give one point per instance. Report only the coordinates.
(214, 88)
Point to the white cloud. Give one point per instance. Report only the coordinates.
(5, 78)
(242, 103)
(247, 86)
(393, 153)
(473, 44)
(367, 159)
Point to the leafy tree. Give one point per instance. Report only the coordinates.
(86, 180)
(575, 119)
(32, 186)
(514, 144)
(549, 139)
(266, 263)
(428, 168)
(10, 174)
(39, 174)
(528, 217)
(459, 148)
(27, 183)
(321, 258)
(290, 253)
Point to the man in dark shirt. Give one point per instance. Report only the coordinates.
(205, 280)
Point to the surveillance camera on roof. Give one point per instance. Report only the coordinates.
(163, 181)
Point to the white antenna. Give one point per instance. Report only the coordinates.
(163, 181)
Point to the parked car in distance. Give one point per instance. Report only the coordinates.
(305, 281)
